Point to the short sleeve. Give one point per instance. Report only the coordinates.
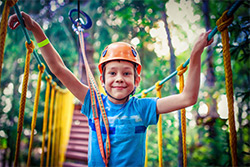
(147, 109)
(86, 107)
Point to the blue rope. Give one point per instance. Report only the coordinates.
(230, 12)
(20, 18)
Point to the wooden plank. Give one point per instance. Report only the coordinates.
(77, 148)
(79, 156)
(74, 164)
(78, 142)
(79, 130)
(79, 136)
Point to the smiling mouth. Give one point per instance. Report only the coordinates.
(118, 87)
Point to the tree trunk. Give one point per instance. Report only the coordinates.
(173, 80)
(210, 75)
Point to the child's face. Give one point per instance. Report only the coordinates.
(120, 80)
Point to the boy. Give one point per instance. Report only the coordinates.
(128, 118)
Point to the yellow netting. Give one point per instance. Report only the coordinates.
(63, 113)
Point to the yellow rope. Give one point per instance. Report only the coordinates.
(54, 129)
(181, 70)
(158, 94)
(50, 121)
(146, 149)
(3, 29)
(222, 25)
(33, 123)
(57, 128)
(30, 48)
(45, 116)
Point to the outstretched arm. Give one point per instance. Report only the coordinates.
(52, 57)
(191, 89)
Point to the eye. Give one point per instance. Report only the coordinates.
(112, 73)
(127, 73)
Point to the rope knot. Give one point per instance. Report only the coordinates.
(181, 69)
(41, 67)
(30, 47)
(158, 86)
(11, 3)
(48, 78)
(224, 21)
(143, 94)
(54, 84)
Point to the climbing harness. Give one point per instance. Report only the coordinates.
(94, 91)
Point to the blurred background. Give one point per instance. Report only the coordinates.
(163, 33)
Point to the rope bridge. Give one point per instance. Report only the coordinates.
(60, 106)
(59, 98)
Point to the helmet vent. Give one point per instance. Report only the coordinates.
(104, 52)
(133, 51)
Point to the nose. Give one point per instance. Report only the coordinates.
(119, 78)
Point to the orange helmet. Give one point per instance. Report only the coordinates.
(120, 51)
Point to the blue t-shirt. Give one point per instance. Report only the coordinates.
(127, 130)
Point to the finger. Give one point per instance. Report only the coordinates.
(210, 42)
(13, 22)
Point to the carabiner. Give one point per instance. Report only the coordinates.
(81, 25)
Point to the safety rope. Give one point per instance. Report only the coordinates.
(53, 151)
(45, 116)
(181, 70)
(3, 29)
(146, 144)
(34, 117)
(52, 99)
(159, 125)
(57, 129)
(95, 91)
(222, 23)
(30, 48)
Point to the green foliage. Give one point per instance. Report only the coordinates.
(116, 20)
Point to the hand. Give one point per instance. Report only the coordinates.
(13, 21)
(202, 41)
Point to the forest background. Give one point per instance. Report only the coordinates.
(163, 33)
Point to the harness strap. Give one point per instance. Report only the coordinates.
(95, 93)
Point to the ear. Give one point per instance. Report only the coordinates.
(101, 79)
(137, 80)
